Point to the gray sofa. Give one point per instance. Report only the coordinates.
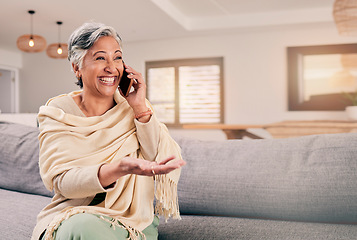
(297, 188)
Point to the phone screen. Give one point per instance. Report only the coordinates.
(125, 84)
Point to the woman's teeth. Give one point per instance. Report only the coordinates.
(107, 79)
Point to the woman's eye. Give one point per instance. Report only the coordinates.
(118, 58)
(99, 58)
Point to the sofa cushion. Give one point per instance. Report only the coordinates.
(310, 178)
(18, 213)
(209, 227)
(19, 151)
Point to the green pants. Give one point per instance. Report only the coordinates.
(85, 226)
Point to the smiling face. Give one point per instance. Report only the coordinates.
(102, 68)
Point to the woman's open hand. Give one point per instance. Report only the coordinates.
(138, 166)
(109, 173)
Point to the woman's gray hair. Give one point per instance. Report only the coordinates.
(83, 38)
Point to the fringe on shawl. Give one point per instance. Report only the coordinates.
(166, 197)
(166, 206)
(134, 234)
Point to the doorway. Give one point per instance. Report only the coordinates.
(9, 97)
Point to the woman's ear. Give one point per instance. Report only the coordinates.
(76, 70)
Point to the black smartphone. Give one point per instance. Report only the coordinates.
(125, 84)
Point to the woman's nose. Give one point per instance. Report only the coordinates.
(110, 67)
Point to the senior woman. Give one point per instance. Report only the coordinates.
(104, 155)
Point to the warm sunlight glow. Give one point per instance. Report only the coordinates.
(329, 73)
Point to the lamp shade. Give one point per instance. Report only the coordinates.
(31, 43)
(345, 16)
(57, 50)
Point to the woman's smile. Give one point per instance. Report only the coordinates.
(108, 81)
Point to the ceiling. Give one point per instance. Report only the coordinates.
(144, 20)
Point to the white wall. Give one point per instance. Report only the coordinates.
(42, 78)
(255, 70)
(10, 58)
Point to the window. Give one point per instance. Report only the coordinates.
(186, 91)
(319, 75)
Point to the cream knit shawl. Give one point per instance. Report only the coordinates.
(68, 141)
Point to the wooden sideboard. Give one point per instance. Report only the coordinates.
(232, 131)
(287, 129)
(284, 129)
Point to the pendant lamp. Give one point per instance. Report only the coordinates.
(31, 42)
(345, 16)
(58, 50)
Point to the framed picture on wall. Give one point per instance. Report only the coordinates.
(318, 77)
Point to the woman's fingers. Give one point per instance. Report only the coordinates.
(166, 166)
(147, 168)
(137, 76)
(166, 160)
(136, 97)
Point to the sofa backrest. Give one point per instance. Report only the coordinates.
(19, 149)
(310, 178)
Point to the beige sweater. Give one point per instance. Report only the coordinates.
(73, 147)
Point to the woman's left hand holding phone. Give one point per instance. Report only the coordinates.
(136, 98)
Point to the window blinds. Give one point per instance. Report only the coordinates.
(186, 91)
(199, 89)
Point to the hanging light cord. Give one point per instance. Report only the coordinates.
(59, 31)
(31, 12)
